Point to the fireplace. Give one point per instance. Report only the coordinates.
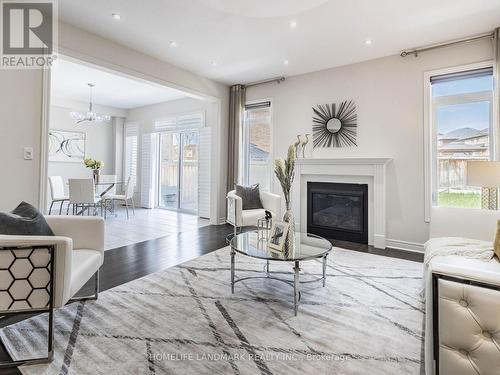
(338, 211)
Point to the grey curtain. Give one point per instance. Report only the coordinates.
(237, 100)
(497, 70)
(489, 196)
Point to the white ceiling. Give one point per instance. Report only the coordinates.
(250, 39)
(69, 81)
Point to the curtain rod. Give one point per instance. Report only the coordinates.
(277, 80)
(416, 51)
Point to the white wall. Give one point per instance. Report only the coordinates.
(146, 116)
(99, 144)
(389, 96)
(21, 111)
(21, 108)
(118, 128)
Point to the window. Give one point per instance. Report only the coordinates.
(178, 123)
(179, 146)
(256, 155)
(462, 130)
(130, 150)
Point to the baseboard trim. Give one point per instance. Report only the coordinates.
(405, 245)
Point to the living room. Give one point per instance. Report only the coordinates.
(346, 209)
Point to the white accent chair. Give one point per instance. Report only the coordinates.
(57, 193)
(82, 196)
(125, 198)
(77, 249)
(239, 218)
(462, 330)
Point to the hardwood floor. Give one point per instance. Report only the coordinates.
(393, 253)
(131, 262)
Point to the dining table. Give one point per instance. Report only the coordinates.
(104, 205)
(109, 185)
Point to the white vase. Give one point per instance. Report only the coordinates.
(97, 174)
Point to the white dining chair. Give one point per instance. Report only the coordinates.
(128, 196)
(57, 194)
(82, 196)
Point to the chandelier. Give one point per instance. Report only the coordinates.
(89, 115)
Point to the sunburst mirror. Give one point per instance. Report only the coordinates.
(335, 125)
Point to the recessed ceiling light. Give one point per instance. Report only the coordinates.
(172, 43)
(115, 16)
(213, 63)
(293, 24)
(368, 42)
(285, 62)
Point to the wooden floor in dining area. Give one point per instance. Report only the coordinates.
(130, 262)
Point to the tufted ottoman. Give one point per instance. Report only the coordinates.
(462, 316)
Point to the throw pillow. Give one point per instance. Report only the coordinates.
(496, 244)
(250, 196)
(24, 220)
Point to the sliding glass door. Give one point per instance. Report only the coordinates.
(178, 171)
(169, 171)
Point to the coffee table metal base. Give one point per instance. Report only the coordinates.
(295, 283)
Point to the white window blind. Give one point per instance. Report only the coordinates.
(204, 173)
(131, 129)
(130, 150)
(148, 170)
(165, 124)
(190, 121)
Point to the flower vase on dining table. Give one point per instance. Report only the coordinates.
(96, 166)
(97, 174)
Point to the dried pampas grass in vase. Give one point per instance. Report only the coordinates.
(285, 172)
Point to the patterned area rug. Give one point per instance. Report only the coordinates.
(184, 320)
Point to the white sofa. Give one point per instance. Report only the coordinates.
(462, 334)
(40, 286)
(238, 217)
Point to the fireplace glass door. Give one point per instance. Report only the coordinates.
(338, 211)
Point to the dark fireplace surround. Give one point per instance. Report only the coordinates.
(338, 211)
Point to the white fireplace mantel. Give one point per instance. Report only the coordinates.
(370, 171)
(343, 161)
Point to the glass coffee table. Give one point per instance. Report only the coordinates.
(307, 247)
